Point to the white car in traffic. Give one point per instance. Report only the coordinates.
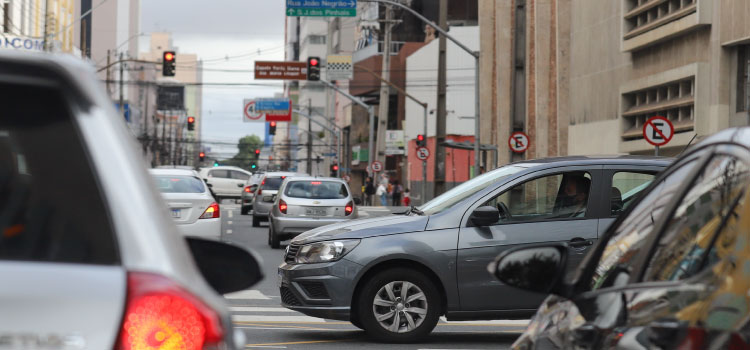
(190, 203)
(226, 181)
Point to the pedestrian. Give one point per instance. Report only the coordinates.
(398, 190)
(407, 199)
(369, 191)
(382, 193)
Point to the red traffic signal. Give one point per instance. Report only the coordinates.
(191, 119)
(314, 62)
(191, 123)
(168, 56)
(335, 168)
(273, 124)
(168, 65)
(421, 142)
(420, 137)
(257, 151)
(201, 154)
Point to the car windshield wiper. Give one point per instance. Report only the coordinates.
(414, 210)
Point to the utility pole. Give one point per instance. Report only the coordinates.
(122, 106)
(109, 91)
(385, 90)
(309, 139)
(439, 182)
(46, 26)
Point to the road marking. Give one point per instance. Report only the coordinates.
(272, 319)
(229, 222)
(444, 321)
(258, 309)
(282, 326)
(300, 342)
(229, 231)
(230, 213)
(247, 294)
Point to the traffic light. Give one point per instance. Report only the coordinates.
(202, 156)
(334, 170)
(272, 128)
(168, 66)
(253, 166)
(313, 68)
(216, 163)
(257, 153)
(191, 123)
(421, 142)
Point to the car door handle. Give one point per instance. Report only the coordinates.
(579, 242)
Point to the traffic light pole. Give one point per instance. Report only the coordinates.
(338, 131)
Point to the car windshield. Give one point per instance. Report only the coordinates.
(316, 190)
(272, 183)
(179, 184)
(467, 189)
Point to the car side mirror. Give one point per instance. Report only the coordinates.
(485, 216)
(253, 188)
(240, 185)
(209, 185)
(537, 268)
(226, 268)
(357, 201)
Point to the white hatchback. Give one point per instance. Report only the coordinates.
(190, 203)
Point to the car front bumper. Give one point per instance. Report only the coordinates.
(202, 228)
(290, 227)
(319, 290)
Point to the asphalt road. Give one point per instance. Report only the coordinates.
(269, 326)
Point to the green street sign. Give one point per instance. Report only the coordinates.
(320, 12)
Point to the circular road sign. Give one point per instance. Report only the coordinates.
(518, 142)
(423, 153)
(250, 112)
(658, 131)
(377, 166)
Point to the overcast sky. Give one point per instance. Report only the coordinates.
(214, 30)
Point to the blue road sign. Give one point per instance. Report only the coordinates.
(322, 4)
(268, 105)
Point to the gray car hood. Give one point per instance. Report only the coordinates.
(380, 226)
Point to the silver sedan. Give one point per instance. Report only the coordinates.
(305, 203)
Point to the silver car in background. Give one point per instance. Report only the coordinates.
(305, 203)
(89, 258)
(190, 203)
(264, 194)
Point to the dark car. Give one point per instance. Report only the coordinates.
(673, 272)
(433, 260)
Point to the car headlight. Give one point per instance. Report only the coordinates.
(327, 251)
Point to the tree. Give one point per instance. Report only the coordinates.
(246, 155)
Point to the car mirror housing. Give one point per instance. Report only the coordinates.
(534, 268)
(226, 268)
(253, 188)
(485, 216)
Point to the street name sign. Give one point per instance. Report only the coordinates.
(267, 110)
(519, 142)
(321, 8)
(658, 131)
(276, 70)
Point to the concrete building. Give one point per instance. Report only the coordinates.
(581, 77)
(25, 23)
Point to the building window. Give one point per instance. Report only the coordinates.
(743, 60)
(6, 17)
(315, 40)
(644, 15)
(674, 101)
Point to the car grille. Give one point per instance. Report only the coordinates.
(291, 253)
(315, 290)
(288, 298)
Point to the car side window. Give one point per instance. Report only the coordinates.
(238, 175)
(628, 240)
(626, 186)
(221, 174)
(51, 207)
(686, 245)
(552, 197)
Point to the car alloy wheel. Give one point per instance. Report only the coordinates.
(400, 306)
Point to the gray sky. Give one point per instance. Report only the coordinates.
(215, 29)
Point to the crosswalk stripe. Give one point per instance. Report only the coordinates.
(247, 294)
(258, 309)
(272, 319)
(522, 323)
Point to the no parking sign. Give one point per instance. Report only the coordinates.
(519, 142)
(658, 131)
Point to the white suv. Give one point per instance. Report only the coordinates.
(226, 181)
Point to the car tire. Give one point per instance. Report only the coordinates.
(244, 210)
(416, 318)
(256, 221)
(273, 239)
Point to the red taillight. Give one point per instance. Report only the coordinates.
(282, 206)
(247, 189)
(212, 212)
(161, 315)
(349, 208)
(260, 190)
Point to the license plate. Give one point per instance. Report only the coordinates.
(316, 212)
(176, 213)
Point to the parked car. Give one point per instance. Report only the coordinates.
(226, 181)
(671, 273)
(248, 194)
(89, 258)
(191, 205)
(304, 203)
(264, 195)
(394, 276)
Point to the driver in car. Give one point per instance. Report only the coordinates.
(573, 198)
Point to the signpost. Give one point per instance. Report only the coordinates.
(518, 142)
(658, 131)
(377, 166)
(321, 8)
(423, 154)
(267, 110)
(339, 68)
(277, 70)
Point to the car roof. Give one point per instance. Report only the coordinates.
(315, 178)
(223, 167)
(177, 172)
(596, 160)
(282, 173)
